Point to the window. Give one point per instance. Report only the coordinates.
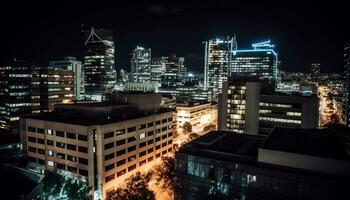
(142, 135)
(109, 167)
(150, 150)
(120, 173)
(170, 149)
(60, 133)
(41, 151)
(82, 137)
(170, 119)
(49, 131)
(60, 145)
(121, 152)
(164, 152)
(150, 124)
(71, 135)
(82, 149)
(41, 162)
(157, 139)
(164, 121)
(132, 167)
(158, 122)
(83, 172)
(142, 153)
(132, 148)
(150, 142)
(150, 133)
(158, 130)
(164, 144)
(83, 161)
(170, 134)
(108, 135)
(50, 163)
(142, 126)
(109, 178)
(131, 139)
(50, 153)
(142, 162)
(170, 141)
(49, 142)
(157, 147)
(164, 128)
(109, 156)
(143, 144)
(61, 155)
(61, 166)
(150, 159)
(40, 130)
(41, 141)
(71, 147)
(132, 129)
(131, 158)
(157, 155)
(164, 136)
(31, 129)
(109, 145)
(72, 169)
(121, 162)
(31, 139)
(71, 158)
(120, 132)
(121, 142)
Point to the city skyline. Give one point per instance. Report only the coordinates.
(305, 35)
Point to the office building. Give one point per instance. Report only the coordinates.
(157, 69)
(260, 61)
(174, 71)
(217, 63)
(99, 63)
(15, 94)
(315, 72)
(50, 87)
(140, 65)
(104, 142)
(346, 87)
(248, 105)
(305, 164)
(198, 117)
(71, 63)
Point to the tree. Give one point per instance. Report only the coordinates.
(164, 174)
(136, 188)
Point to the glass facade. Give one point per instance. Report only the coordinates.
(140, 65)
(99, 63)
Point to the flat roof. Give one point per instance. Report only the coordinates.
(314, 142)
(224, 145)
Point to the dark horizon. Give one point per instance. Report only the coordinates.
(303, 33)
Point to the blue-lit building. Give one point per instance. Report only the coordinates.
(217, 61)
(15, 94)
(346, 92)
(260, 61)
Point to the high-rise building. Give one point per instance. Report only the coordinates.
(15, 94)
(50, 87)
(102, 142)
(249, 105)
(174, 71)
(71, 63)
(315, 72)
(305, 164)
(218, 56)
(346, 88)
(140, 65)
(260, 61)
(157, 69)
(99, 63)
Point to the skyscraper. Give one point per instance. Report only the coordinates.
(260, 61)
(174, 70)
(99, 63)
(315, 72)
(15, 94)
(71, 63)
(346, 92)
(140, 65)
(218, 57)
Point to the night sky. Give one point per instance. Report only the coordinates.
(302, 32)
